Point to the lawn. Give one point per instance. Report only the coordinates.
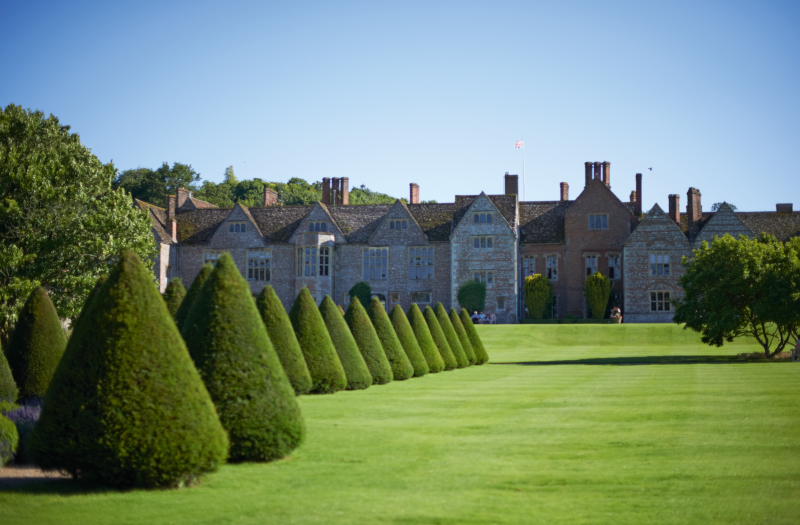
(567, 424)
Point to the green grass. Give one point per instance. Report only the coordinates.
(608, 435)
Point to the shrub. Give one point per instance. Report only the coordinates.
(283, 339)
(480, 352)
(174, 295)
(191, 295)
(7, 406)
(597, 290)
(8, 387)
(24, 418)
(327, 374)
(450, 334)
(368, 343)
(36, 345)
(362, 292)
(472, 295)
(450, 362)
(126, 406)
(9, 440)
(405, 334)
(398, 360)
(355, 368)
(341, 310)
(229, 344)
(538, 295)
(463, 338)
(425, 340)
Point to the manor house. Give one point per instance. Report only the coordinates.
(421, 253)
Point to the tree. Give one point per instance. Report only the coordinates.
(362, 292)
(228, 342)
(154, 186)
(538, 295)
(126, 406)
(281, 334)
(598, 291)
(742, 288)
(472, 295)
(8, 387)
(327, 374)
(480, 352)
(9, 440)
(191, 295)
(463, 338)
(716, 205)
(425, 340)
(450, 361)
(61, 223)
(36, 346)
(355, 368)
(405, 334)
(174, 295)
(398, 360)
(368, 343)
(450, 334)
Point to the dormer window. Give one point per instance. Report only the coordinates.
(237, 227)
(482, 218)
(398, 225)
(317, 226)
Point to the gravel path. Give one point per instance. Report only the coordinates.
(16, 475)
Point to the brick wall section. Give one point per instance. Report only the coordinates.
(540, 252)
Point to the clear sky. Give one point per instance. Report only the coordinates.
(388, 93)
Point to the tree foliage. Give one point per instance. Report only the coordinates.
(191, 295)
(398, 360)
(173, 295)
(598, 291)
(450, 361)
(742, 288)
(154, 186)
(538, 295)
(480, 352)
(9, 440)
(425, 340)
(368, 343)
(355, 368)
(405, 334)
(362, 292)
(472, 295)
(8, 387)
(450, 334)
(61, 223)
(463, 338)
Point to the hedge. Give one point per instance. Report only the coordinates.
(355, 368)
(173, 295)
(450, 362)
(450, 335)
(9, 440)
(480, 352)
(463, 338)
(398, 360)
(538, 295)
(425, 340)
(8, 387)
(368, 343)
(405, 334)
(598, 291)
(191, 295)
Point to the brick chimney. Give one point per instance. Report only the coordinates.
(597, 174)
(588, 167)
(638, 208)
(413, 196)
(784, 208)
(694, 209)
(326, 190)
(171, 206)
(564, 191)
(183, 196)
(173, 229)
(675, 208)
(633, 196)
(344, 191)
(270, 197)
(607, 173)
(512, 184)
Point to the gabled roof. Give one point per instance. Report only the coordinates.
(199, 226)
(542, 222)
(435, 219)
(656, 226)
(158, 216)
(723, 221)
(784, 226)
(358, 222)
(200, 205)
(395, 211)
(278, 223)
(505, 204)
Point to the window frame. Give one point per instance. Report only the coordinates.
(486, 277)
(429, 294)
(307, 260)
(398, 224)
(497, 302)
(381, 270)
(212, 256)
(254, 272)
(551, 270)
(587, 267)
(237, 226)
(659, 269)
(618, 272)
(528, 265)
(483, 242)
(317, 227)
(422, 263)
(595, 217)
(665, 300)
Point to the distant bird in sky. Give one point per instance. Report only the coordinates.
(651, 169)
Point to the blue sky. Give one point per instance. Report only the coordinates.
(388, 93)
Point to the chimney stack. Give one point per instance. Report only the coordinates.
(675, 208)
(564, 191)
(785, 208)
(171, 206)
(512, 184)
(638, 208)
(413, 197)
(597, 174)
(588, 167)
(174, 229)
(183, 195)
(326, 190)
(344, 191)
(694, 209)
(270, 197)
(607, 173)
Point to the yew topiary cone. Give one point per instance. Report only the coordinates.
(327, 374)
(368, 343)
(481, 356)
(191, 295)
(458, 326)
(126, 406)
(405, 334)
(284, 341)
(8, 387)
(450, 335)
(173, 295)
(398, 360)
(355, 369)
(36, 345)
(450, 362)
(425, 340)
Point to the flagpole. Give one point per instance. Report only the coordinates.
(523, 170)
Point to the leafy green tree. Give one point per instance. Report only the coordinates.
(154, 186)
(126, 406)
(405, 335)
(173, 295)
(480, 352)
(368, 343)
(36, 345)
(425, 339)
(61, 223)
(191, 295)
(538, 295)
(362, 292)
(463, 338)
(8, 387)
(327, 374)
(598, 291)
(220, 195)
(742, 288)
(450, 361)
(281, 334)
(450, 334)
(472, 295)
(229, 344)
(355, 368)
(398, 360)
(9, 440)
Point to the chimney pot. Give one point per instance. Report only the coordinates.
(597, 174)
(413, 197)
(564, 191)
(171, 199)
(638, 207)
(607, 173)
(270, 197)
(694, 208)
(174, 230)
(785, 208)
(344, 196)
(512, 184)
(588, 167)
(326, 190)
(675, 208)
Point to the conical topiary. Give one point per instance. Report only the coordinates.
(173, 295)
(126, 406)
(463, 338)
(228, 342)
(425, 340)
(450, 335)
(8, 387)
(341, 310)
(368, 343)
(398, 360)
(191, 295)
(281, 335)
(450, 362)
(36, 345)
(355, 368)
(327, 374)
(481, 356)
(405, 335)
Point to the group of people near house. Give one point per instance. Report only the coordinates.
(484, 318)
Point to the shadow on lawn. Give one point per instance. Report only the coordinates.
(645, 360)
